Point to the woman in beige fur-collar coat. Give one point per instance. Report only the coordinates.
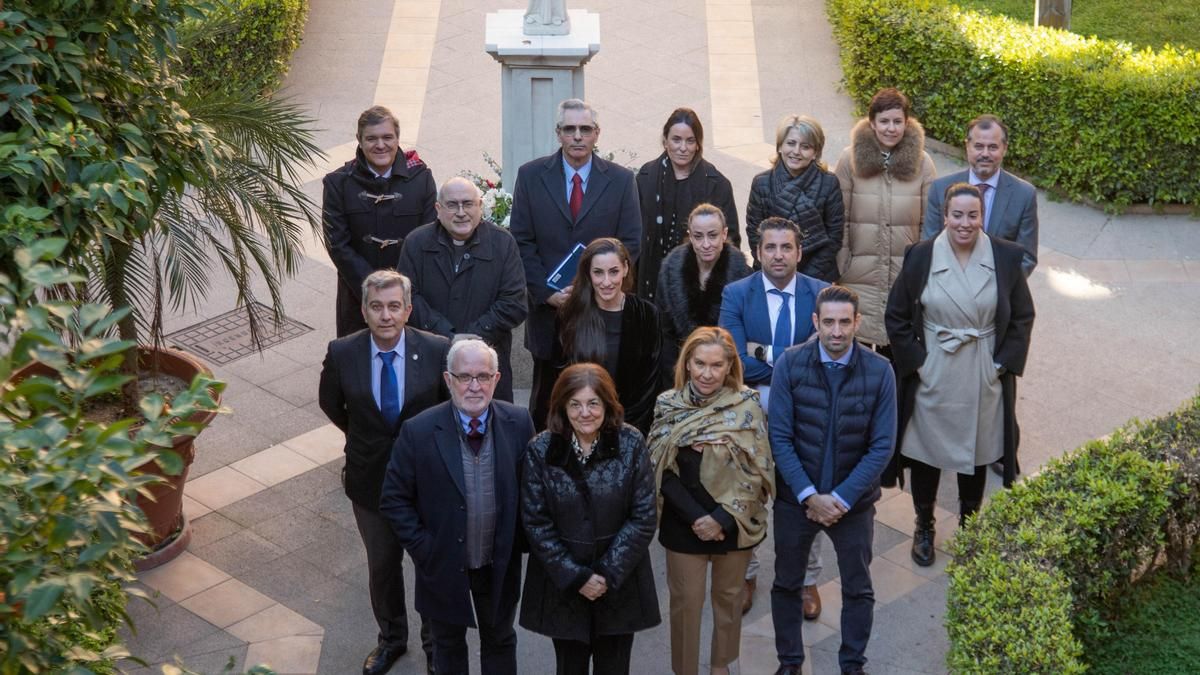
(885, 175)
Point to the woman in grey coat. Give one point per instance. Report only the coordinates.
(589, 509)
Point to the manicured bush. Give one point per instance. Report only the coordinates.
(1090, 118)
(245, 46)
(1037, 576)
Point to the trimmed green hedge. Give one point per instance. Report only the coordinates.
(1091, 119)
(1039, 572)
(243, 44)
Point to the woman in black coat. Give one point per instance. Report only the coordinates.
(602, 323)
(669, 187)
(800, 188)
(589, 512)
(691, 280)
(959, 319)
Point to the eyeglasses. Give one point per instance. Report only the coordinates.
(584, 129)
(592, 406)
(467, 378)
(464, 205)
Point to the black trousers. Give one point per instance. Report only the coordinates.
(497, 638)
(386, 580)
(544, 375)
(925, 480)
(607, 654)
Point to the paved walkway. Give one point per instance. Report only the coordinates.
(276, 572)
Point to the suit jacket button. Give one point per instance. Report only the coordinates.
(460, 540)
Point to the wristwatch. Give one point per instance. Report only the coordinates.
(760, 353)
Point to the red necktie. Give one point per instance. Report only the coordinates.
(576, 196)
(475, 436)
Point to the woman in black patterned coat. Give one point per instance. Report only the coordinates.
(801, 189)
(588, 505)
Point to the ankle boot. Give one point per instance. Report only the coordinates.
(922, 547)
(967, 508)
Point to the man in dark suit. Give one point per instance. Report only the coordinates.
(1009, 203)
(452, 496)
(766, 313)
(467, 276)
(832, 424)
(373, 381)
(570, 197)
(369, 206)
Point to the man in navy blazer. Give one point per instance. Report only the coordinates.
(570, 197)
(1010, 204)
(752, 310)
(451, 495)
(832, 423)
(372, 382)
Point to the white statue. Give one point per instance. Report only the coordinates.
(547, 17)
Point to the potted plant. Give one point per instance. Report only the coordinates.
(151, 183)
(69, 482)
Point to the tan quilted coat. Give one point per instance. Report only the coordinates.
(884, 207)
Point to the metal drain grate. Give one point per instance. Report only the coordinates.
(226, 338)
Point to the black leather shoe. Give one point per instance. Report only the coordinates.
(857, 670)
(380, 660)
(922, 546)
(788, 670)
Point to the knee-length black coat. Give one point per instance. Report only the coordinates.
(584, 519)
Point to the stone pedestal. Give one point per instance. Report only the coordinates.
(537, 72)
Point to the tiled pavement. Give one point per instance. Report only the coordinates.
(276, 572)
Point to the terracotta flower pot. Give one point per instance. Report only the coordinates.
(169, 532)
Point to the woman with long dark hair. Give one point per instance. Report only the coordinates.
(602, 323)
(669, 187)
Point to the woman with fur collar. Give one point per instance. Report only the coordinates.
(691, 279)
(885, 175)
(798, 187)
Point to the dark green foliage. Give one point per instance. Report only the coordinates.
(1158, 632)
(67, 484)
(1090, 118)
(1037, 577)
(244, 46)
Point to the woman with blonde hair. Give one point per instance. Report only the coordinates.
(714, 474)
(801, 189)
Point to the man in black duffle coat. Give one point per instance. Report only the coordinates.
(467, 276)
(369, 206)
(372, 382)
(451, 495)
(549, 218)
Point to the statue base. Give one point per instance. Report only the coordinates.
(537, 72)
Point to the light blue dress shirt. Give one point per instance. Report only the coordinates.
(397, 365)
(584, 172)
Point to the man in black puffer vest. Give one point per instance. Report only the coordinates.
(832, 420)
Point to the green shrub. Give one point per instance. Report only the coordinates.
(1037, 576)
(1090, 118)
(68, 484)
(245, 45)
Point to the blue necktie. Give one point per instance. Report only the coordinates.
(783, 326)
(389, 390)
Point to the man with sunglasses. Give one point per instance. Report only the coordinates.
(451, 494)
(467, 276)
(567, 198)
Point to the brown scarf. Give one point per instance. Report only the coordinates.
(736, 467)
